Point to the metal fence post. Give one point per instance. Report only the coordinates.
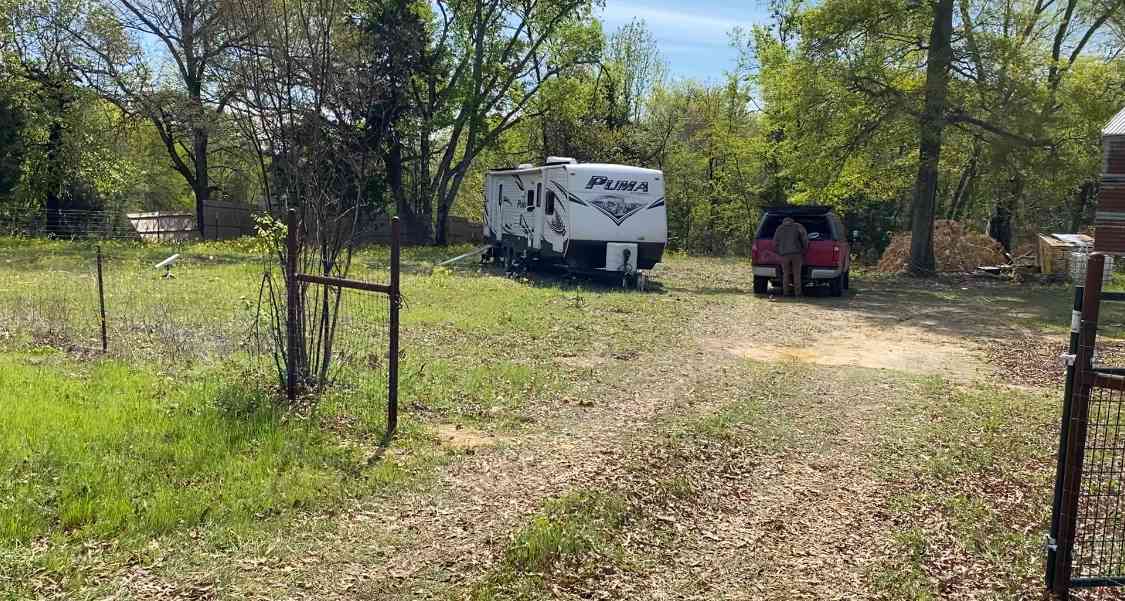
(1064, 427)
(101, 301)
(291, 250)
(396, 303)
(1076, 428)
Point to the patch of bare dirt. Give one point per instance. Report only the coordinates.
(460, 437)
(847, 340)
(904, 349)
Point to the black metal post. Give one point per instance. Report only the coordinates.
(101, 301)
(1076, 435)
(291, 284)
(1068, 390)
(396, 303)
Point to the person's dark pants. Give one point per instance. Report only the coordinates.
(791, 274)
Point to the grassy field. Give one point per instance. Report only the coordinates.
(174, 439)
(176, 428)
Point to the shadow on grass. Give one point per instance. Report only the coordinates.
(966, 306)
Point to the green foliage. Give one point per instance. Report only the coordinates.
(842, 84)
(11, 144)
(822, 107)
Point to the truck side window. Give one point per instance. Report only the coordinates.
(531, 200)
(550, 210)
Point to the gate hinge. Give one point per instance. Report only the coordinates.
(1067, 359)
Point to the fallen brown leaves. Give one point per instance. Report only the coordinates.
(1034, 359)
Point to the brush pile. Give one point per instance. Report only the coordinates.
(956, 250)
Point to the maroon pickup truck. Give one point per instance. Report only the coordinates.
(827, 259)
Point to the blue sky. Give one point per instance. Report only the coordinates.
(693, 34)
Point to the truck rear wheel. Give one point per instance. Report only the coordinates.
(761, 284)
(836, 286)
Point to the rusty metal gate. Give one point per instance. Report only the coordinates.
(1086, 545)
(297, 285)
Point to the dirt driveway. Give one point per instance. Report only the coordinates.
(769, 422)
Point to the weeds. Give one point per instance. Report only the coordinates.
(566, 533)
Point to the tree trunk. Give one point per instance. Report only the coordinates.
(55, 177)
(965, 185)
(1084, 200)
(1000, 223)
(931, 127)
(441, 231)
(201, 186)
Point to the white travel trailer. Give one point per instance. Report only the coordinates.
(590, 217)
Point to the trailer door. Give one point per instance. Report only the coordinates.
(536, 215)
(554, 223)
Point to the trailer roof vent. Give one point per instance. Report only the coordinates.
(525, 166)
(561, 161)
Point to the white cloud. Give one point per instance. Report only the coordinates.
(676, 27)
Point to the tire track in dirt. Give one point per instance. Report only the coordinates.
(797, 521)
(803, 520)
(414, 544)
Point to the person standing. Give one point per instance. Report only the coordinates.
(790, 242)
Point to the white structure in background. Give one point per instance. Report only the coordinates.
(591, 217)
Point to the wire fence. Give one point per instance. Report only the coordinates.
(222, 221)
(1086, 543)
(202, 309)
(354, 387)
(1099, 540)
(68, 224)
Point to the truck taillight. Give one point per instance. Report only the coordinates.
(754, 252)
(836, 253)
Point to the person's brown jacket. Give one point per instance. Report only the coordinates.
(791, 238)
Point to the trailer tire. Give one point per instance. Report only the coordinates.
(761, 284)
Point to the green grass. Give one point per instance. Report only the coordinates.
(570, 531)
(176, 430)
(104, 450)
(569, 526)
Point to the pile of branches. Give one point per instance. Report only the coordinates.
(956, 250)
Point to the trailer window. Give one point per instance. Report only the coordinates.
(550, 210)
(531, 200)
(500, 197)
